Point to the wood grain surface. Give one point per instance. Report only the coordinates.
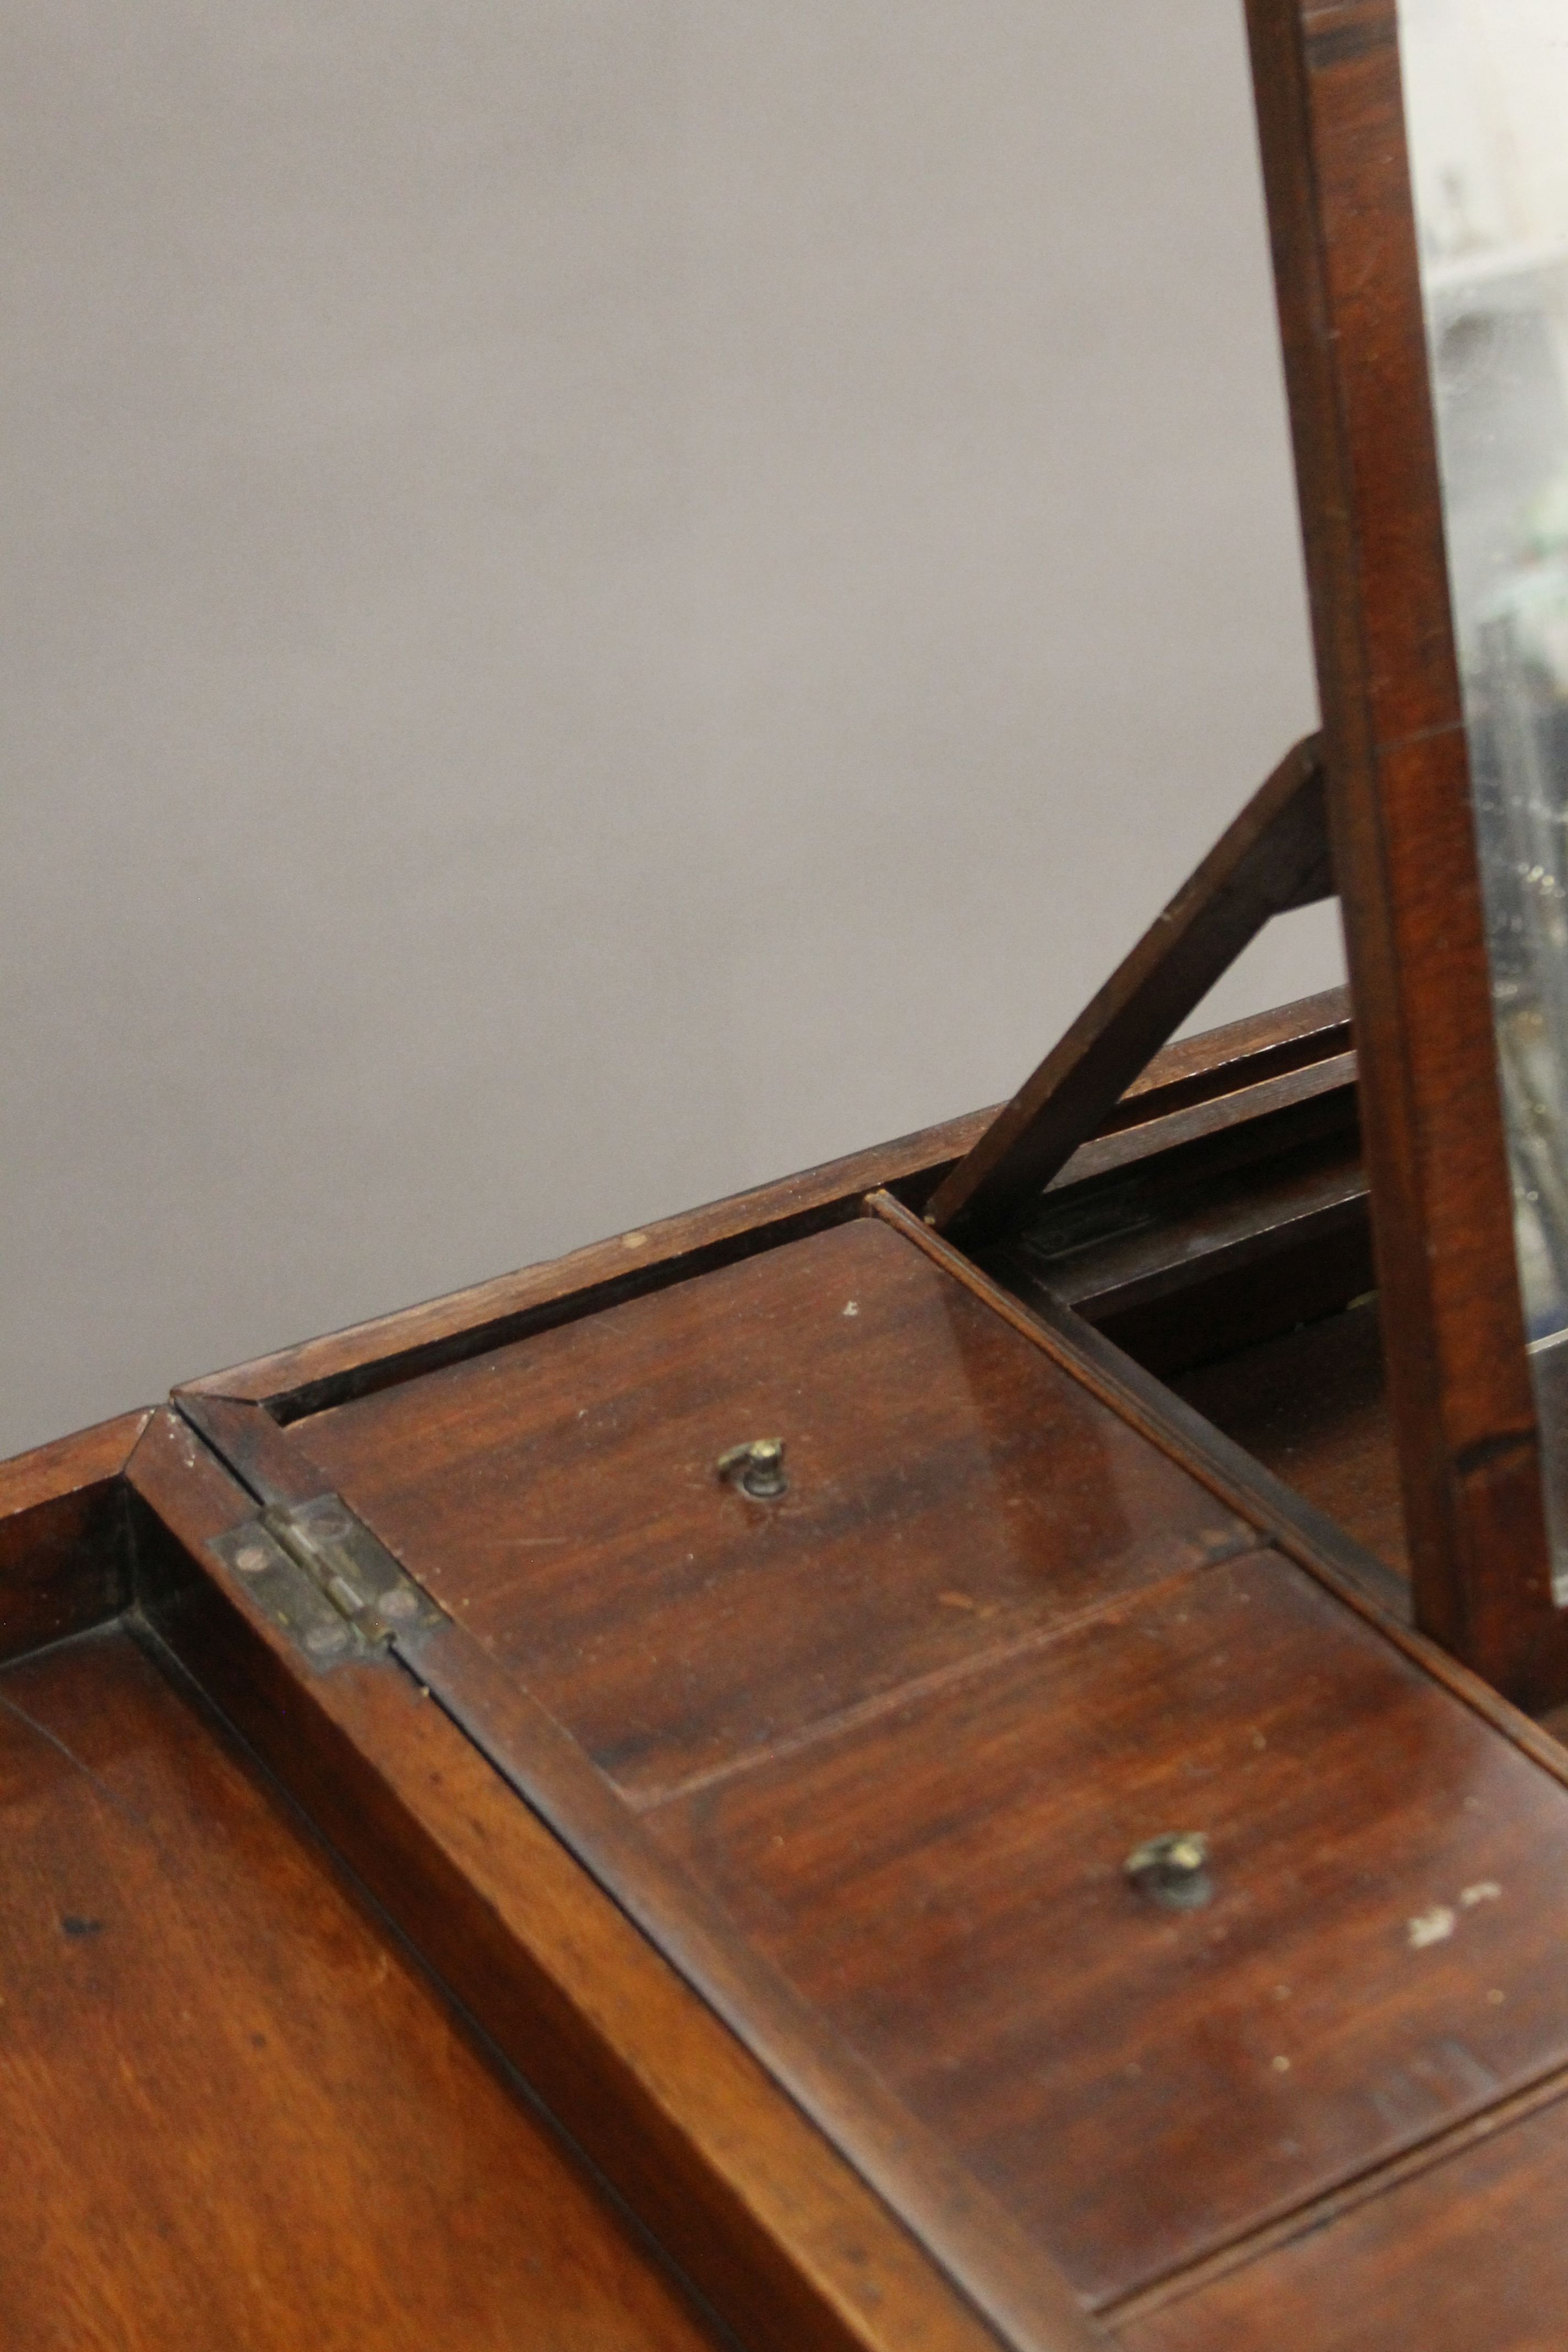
(235, 2115)
(1469, 2255)
(1302, 1533)
(927, 1859)
(904, 1846)
(1263, 1045)
(944, 1881)
(950, 1490)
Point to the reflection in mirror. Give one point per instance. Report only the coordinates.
(1486, 97)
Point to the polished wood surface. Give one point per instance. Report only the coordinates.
(944, 1881)
(234, 2111)
(883, 1851)
(1277, 1512)
(1332, 135)
(1464, 2255)
(65, 1558)
(1272, 857)
(949, 1488)
(1296, 1528)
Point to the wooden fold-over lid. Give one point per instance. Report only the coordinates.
(868, 1758)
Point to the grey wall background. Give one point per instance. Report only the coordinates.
(604, 598)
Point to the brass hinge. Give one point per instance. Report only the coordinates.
(318, 1572)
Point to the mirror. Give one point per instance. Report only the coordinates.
(1486, 101)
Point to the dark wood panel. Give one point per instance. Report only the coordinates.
(779, 2230)
(1469, 2255)
(234, 2114)
(1221, 1240)
(1126, 1240)
(64, 1539)
(1161, 1254)
(987, 2254)
(951, 1490)
(1313, 1407)
(1237, 1305)
(1435, 2072)
(944, 1881)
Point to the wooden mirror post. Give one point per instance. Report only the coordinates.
(1332, 128)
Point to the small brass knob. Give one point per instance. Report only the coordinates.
(1172, 1870)
(756, 1468)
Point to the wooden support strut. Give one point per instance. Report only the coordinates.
(1273, 857)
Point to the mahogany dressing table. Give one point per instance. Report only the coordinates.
(953, 1753)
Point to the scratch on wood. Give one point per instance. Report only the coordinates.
(109, 1796)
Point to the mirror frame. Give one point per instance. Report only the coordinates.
(1341, 220)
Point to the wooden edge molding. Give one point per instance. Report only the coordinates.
(1236, 1111)
(770, 2221)
(50, 1473)
(303, 1379)
(1291, 1523)
(1262, 1045)
(64, 1544)
(1166, 1104)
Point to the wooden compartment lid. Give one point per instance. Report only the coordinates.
(867, 1758)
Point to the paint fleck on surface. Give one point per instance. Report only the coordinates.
(1434, 1926)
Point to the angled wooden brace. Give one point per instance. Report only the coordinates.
(1275, 856)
